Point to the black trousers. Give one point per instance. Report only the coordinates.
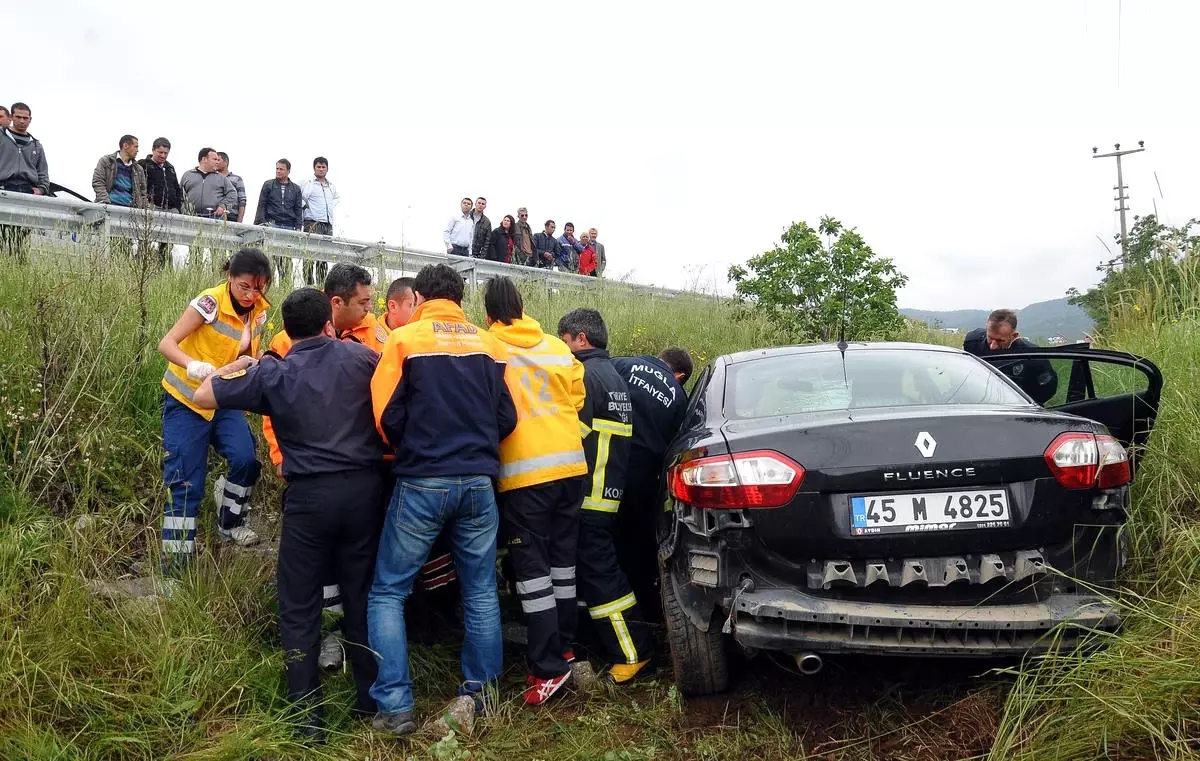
(315, 271)
(616, 619)
(541, 530)
(331, 526)
(637, 552)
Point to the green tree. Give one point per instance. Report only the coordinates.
(806, 284)
(1154, 270)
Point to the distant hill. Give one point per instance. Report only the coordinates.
(1037, 321)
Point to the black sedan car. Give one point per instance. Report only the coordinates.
(897, 498)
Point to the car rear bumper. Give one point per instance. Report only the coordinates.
(789, 620)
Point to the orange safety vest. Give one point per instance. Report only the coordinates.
(217, 342)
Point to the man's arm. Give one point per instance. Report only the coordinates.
(237, 385)
(43, 173)
(297, 209)
(174, 194)
(260, 216)
(99, 184)
(448, 234)
(240, 188)
(506, 410)
(389, 410)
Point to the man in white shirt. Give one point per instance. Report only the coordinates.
(460, 231)
(320, 200)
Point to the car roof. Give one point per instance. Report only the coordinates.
(821, 348)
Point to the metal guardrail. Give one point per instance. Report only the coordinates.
(69, 215)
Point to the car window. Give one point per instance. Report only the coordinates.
(820, 381)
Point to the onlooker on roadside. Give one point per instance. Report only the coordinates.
(500, 243)
(448, 454)
(587, 258)
(460, 230)
(239, 185)
(545, 247)
(218, 326)
(207, 192)
(320, 200)
(23, 169)
(5, 117)
(483, 228)
(601, 259)
(162, 186)
(569, 249)
(523, 239)
(281, 204)
(118, 178)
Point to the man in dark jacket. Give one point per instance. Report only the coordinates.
(1036, 377)
(319, 401)
(280, 202)
(442, 404)
(118, 178)
(656, 391)
(162, 186)
(545, 247)
(607, 414)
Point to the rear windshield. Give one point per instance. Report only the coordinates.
(816, 382)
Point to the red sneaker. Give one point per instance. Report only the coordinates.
(541, 690)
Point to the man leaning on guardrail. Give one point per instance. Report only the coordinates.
(23, 169)
(118, 179)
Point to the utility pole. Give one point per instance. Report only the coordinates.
(1121, 188)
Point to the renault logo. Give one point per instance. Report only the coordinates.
(925, 444)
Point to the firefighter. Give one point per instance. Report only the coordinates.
(219, 325)
(543, 472)
(624, 635)
(656, 391)
(320, 400)
(350, 293)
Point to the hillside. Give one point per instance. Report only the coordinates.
(1040, 320)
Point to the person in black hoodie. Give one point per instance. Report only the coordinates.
(162, 187)
(500, 241)
(607, 416)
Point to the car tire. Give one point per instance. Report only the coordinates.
(698, 658)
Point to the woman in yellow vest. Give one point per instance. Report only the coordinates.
(218, 326)
(543, 476)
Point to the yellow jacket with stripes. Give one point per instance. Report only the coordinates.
(223, 337)
(546, 383)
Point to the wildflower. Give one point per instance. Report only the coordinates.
(1137, 308)
(382, 302)
(270, 325)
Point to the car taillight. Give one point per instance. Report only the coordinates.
(1088, 461)
(748, 479)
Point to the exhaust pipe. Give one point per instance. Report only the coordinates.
(809, 662)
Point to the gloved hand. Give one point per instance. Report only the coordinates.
(198, 371)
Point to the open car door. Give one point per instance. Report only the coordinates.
(1115, 388)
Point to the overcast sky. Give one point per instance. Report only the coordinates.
(956, 136)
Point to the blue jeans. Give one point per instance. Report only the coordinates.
(186, 439)
(418, 510)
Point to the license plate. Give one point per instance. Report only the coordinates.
(913, 512)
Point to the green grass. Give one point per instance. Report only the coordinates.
(199, 675)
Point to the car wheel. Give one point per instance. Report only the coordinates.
(699, 660)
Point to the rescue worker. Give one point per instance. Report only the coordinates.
(1036, 377)
(442, 403)
(319, 398)
(219, 325)
(400, 303)
(656, 391)
(624, 636)
(543, 472)
(350, 293)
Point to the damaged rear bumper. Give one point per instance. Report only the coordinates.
(788, 620)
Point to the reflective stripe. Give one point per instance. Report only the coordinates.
(330, 590)
(538, 604)
(180, 385)
(539, 360)
(616, 606)
(185, 546)
(624, 638)
(239, 491)
(177, 523)
(601, 505)
(227, 330)
(531, 464)
(562, 573)
(564, 592)
(595, 500)
(437, 564)
(616, 429)
(335, 608)
(584, 430)
(533, 585)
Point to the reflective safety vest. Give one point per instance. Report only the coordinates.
(546, 384)
(218, 341)
(372, 333)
